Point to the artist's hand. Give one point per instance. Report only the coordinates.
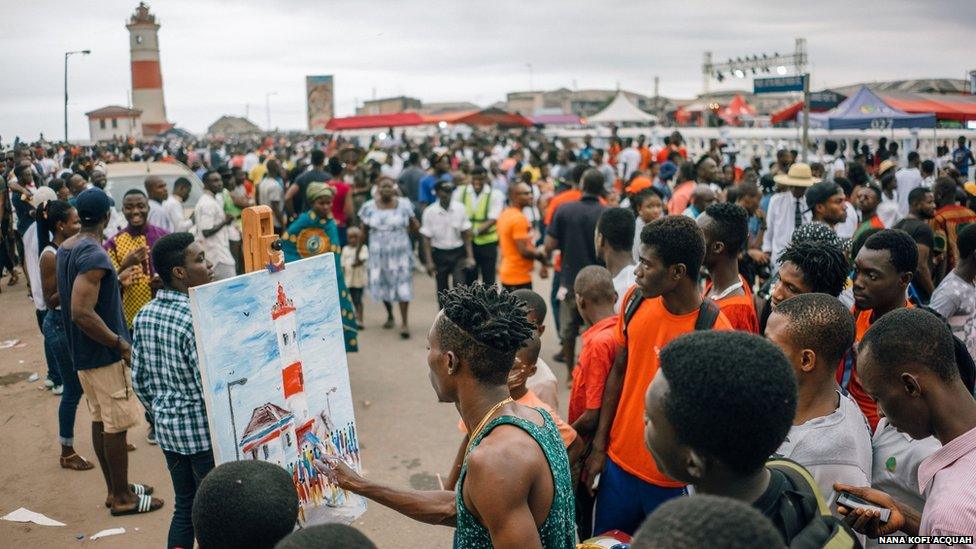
(337, 471)
(869, 522)
(135, 257)
(593, 467)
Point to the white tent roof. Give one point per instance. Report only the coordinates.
(621, 109)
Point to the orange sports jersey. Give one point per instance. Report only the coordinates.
(739, 309)
(863, 399)
(595, 360)
(514, 269)
(662, 155)
(651, 328)
(571, 195)
(532, 400)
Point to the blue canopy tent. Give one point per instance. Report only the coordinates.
(865, 110)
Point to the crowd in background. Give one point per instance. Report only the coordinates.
(857, 267)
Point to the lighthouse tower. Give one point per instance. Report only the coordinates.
(147, 77)
(292, 378)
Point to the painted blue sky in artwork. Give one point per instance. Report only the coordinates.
(236, 339)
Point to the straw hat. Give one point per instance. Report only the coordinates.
(885, 166)
(798, 176)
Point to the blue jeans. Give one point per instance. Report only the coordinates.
(186, 471)
(53, 372)
(624, 501)
(59, 358)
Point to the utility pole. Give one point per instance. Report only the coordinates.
(267, 107)
(800, 61)
(66, 55)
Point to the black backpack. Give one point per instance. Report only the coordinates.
(805, 515)
(707, 313)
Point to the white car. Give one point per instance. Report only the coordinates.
(125, 176)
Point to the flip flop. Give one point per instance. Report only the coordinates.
(137, 489)
(146, 504)
(66, 463)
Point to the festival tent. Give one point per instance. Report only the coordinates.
(865, 110)
(944, 106)
(787, 113)
(737, 109)
(491, 116)
(620, 109)
(363, 122)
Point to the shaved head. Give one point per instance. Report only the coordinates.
(595, 284)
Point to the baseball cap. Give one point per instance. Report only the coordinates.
(92, 205)
(667, 171)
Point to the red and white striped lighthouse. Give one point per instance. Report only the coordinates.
(147, 76)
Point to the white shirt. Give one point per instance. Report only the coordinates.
(173, 206)
(621, 283)
(250, 160)
(544, 384)
(895, 469)
(907, 180)
(444, 227)
(888, 210)
(32, 263)
(496, 201)
(627, 162)
(834, 448)
(209, 212)
(116, 222)
(158, 217)
(780, 222)
(849, 226)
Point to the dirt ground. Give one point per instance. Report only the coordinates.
(407, 437)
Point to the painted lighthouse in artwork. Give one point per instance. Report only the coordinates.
(290, 435)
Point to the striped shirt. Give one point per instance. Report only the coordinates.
(165, 375)
(947, 479)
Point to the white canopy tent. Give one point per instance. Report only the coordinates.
(621, 110)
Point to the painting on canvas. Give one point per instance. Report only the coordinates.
(275, 379)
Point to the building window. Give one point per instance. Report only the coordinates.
(101, 123)
(115, 122)
(138, 39)
(287, 440)
(264, 448)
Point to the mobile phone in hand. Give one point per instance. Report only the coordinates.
(850, 501)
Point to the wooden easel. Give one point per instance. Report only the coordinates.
(261, 247)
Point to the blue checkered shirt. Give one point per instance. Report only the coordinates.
(165, 375)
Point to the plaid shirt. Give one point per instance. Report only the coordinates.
(165, 375)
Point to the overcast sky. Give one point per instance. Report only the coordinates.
(220, 56)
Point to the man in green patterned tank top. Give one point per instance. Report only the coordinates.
(514, 490)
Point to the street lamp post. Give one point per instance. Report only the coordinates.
(233, 424)
(267, 107)
(66, 55)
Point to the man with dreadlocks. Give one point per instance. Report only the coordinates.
(514, 489)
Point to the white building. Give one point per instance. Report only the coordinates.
(110, 122)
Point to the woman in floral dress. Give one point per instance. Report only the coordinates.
(386, 223)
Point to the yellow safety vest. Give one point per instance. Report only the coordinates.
(478, 214)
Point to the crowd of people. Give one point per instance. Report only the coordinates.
(772, 340)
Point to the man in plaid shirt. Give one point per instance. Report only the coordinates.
(165, 376)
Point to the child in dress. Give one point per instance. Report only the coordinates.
(354, 270)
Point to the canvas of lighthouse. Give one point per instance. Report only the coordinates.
(275, 378)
